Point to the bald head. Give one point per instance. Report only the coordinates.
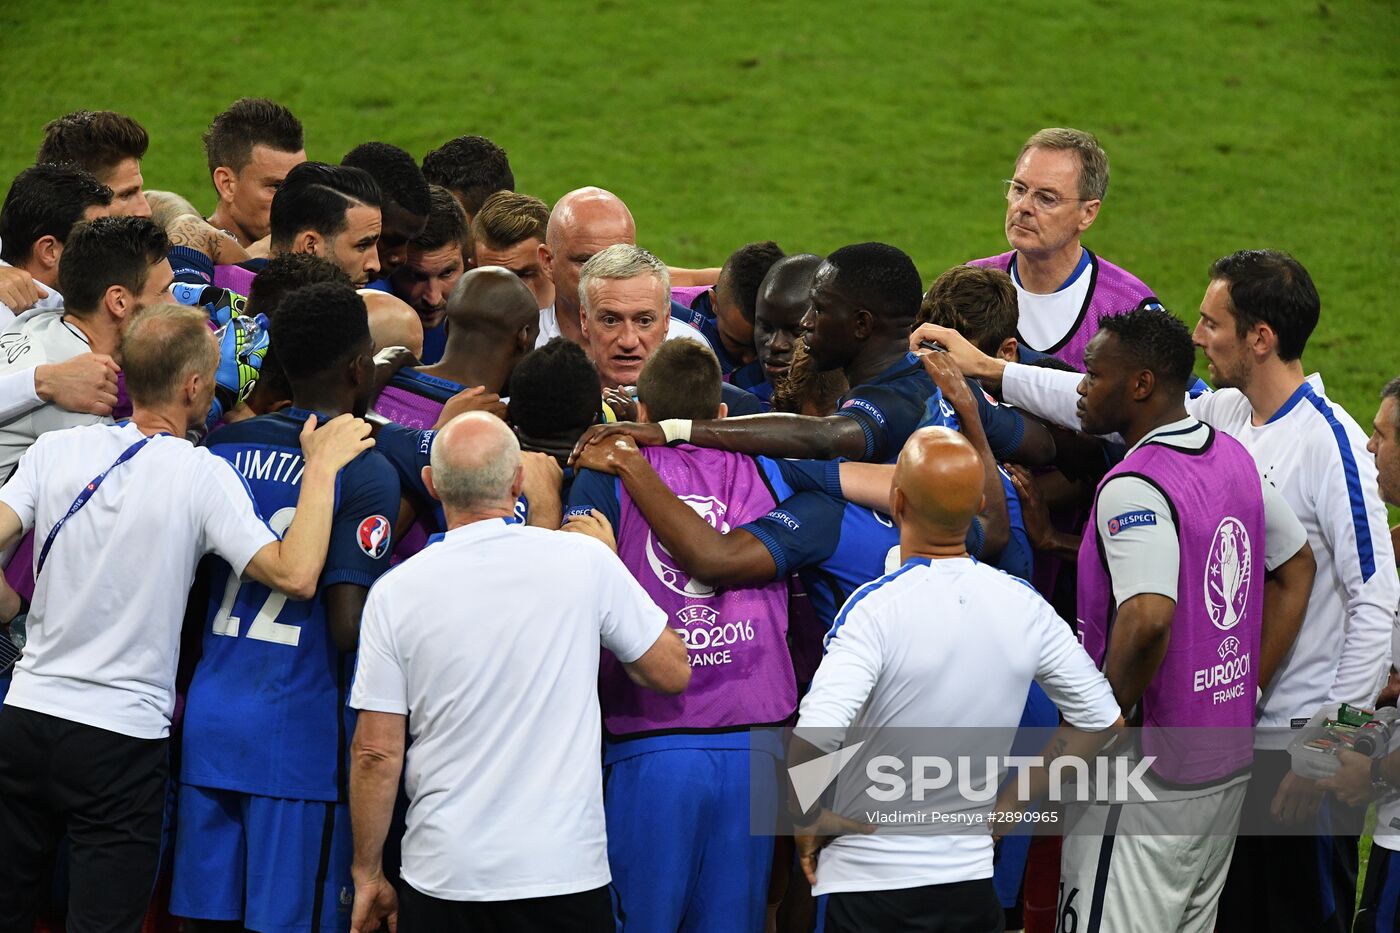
(584, 222)
(491, 298)
(392, 322)
(475, 464)
(789, 282)
(938, 483)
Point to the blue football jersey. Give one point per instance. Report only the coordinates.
(266, 709)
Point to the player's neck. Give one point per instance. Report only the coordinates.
(1270, 386)
(102, 333)
(324, 401)
(1151, 420)
(220, 220)
(41, 274)
(874, 361)
(457, 519)
(568, 321)
(170, 419)
(914, 544)
(468, 364)
(1042, 274)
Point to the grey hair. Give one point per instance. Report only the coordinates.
(485, 477)
(1392, 390)
(621, 261)
(1093, 161)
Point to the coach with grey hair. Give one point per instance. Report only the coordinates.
(495, 675)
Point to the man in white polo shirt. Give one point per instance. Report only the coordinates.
(495, 677)
(83, 732)
(942, 641)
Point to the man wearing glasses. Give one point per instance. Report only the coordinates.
(1062, 288)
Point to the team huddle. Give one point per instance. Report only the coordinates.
(391, 547)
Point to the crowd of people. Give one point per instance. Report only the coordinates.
(390, 547)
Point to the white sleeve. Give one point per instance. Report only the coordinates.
(1069, 677)
(1139, 538)
(380, 684)
(847, 673)
(1051, 394)
(630, 622)
(17, 394)
(1353, 524)
(226, 514)
(20, 491)
(1284, 535)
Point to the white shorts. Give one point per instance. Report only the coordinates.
(1121, 871)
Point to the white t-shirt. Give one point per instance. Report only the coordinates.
(104, 628)
(941, 643)
(489, 642)
(1315, 454)
(1046, 320)
(38, 336)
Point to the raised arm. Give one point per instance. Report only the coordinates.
(293, 564)
(996, 522)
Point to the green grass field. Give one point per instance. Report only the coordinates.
(1229, 124)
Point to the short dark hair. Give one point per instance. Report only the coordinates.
(554, 389)
(1156, 341)
(447, 222)
(161, 347)
(96, 140)
(319, 327)
(249, 122)
(880, 278)
(1392, 390)
(46, 200)
(398, 176)
(316, 196)
(105, 252)
(681, 380)
(471, 166)
(743, 272)
(507, 218)
(1269, 286)
(977, 302)
(284, 274)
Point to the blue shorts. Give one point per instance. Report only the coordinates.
(279, 866)
(679, 845)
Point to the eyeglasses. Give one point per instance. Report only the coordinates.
(1044, 200)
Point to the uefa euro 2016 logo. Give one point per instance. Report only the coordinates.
(1227, 574)
(664, 565)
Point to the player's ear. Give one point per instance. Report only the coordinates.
(116, 300)
(224, 182)
(46, 251)
(428, 483)
(1008, 350)
(897, 505)
(1144, 384)
(642, 416)
(863, 323)
(1089, 215)
(546, 261)
(308, 241)
(517, 486)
